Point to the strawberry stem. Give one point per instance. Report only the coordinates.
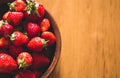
(11, 6)
(6, 21)
(12, 37)
(45, 44)
(21, 63)
(3, 22)
(30, 7)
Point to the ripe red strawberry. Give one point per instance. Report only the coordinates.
(17, 5)
(34, 11)
(25, 74)
(7, 63)
(32, 29)
(39, 61)
(4, 43)
(24, 60)
(36, 44)
(5, 28)
(14, 50)
(50, 37)
(18, 38)
(14, 18)
(44, 25)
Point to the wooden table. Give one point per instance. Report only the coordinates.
(90, 32)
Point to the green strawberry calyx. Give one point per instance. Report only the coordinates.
(3, 22)
(12, 37)
(32, 7)
(45, 43)
(22, 63)
(11, 6)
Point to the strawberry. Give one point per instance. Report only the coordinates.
(18, 38)
(50, 37)
(34, 10)
(25, 74)
(14, 50)
(17, 5)
(24, 60)
(32, 29)
(7, 63)
(39, 61)
(5, 15)
(4, 43)
(5, 28)
(36, 44)
(44, 24)
(14, 18)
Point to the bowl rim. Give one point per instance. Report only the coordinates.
(58, 45)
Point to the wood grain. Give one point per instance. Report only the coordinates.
(90, 31)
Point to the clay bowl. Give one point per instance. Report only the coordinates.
(57, 47)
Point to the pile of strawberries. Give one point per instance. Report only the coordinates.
(27, 41)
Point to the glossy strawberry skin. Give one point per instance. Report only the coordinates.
(6, 30)
(24, 60)
(15, 18)
(14, 50)
(25, 74)
(44, 25)
(18, 38)
(7, 63)
(39, 61)
(32, 29)
(36, 44)
(4, 43)
(41, 10)
(18, 5)
(50, 37)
